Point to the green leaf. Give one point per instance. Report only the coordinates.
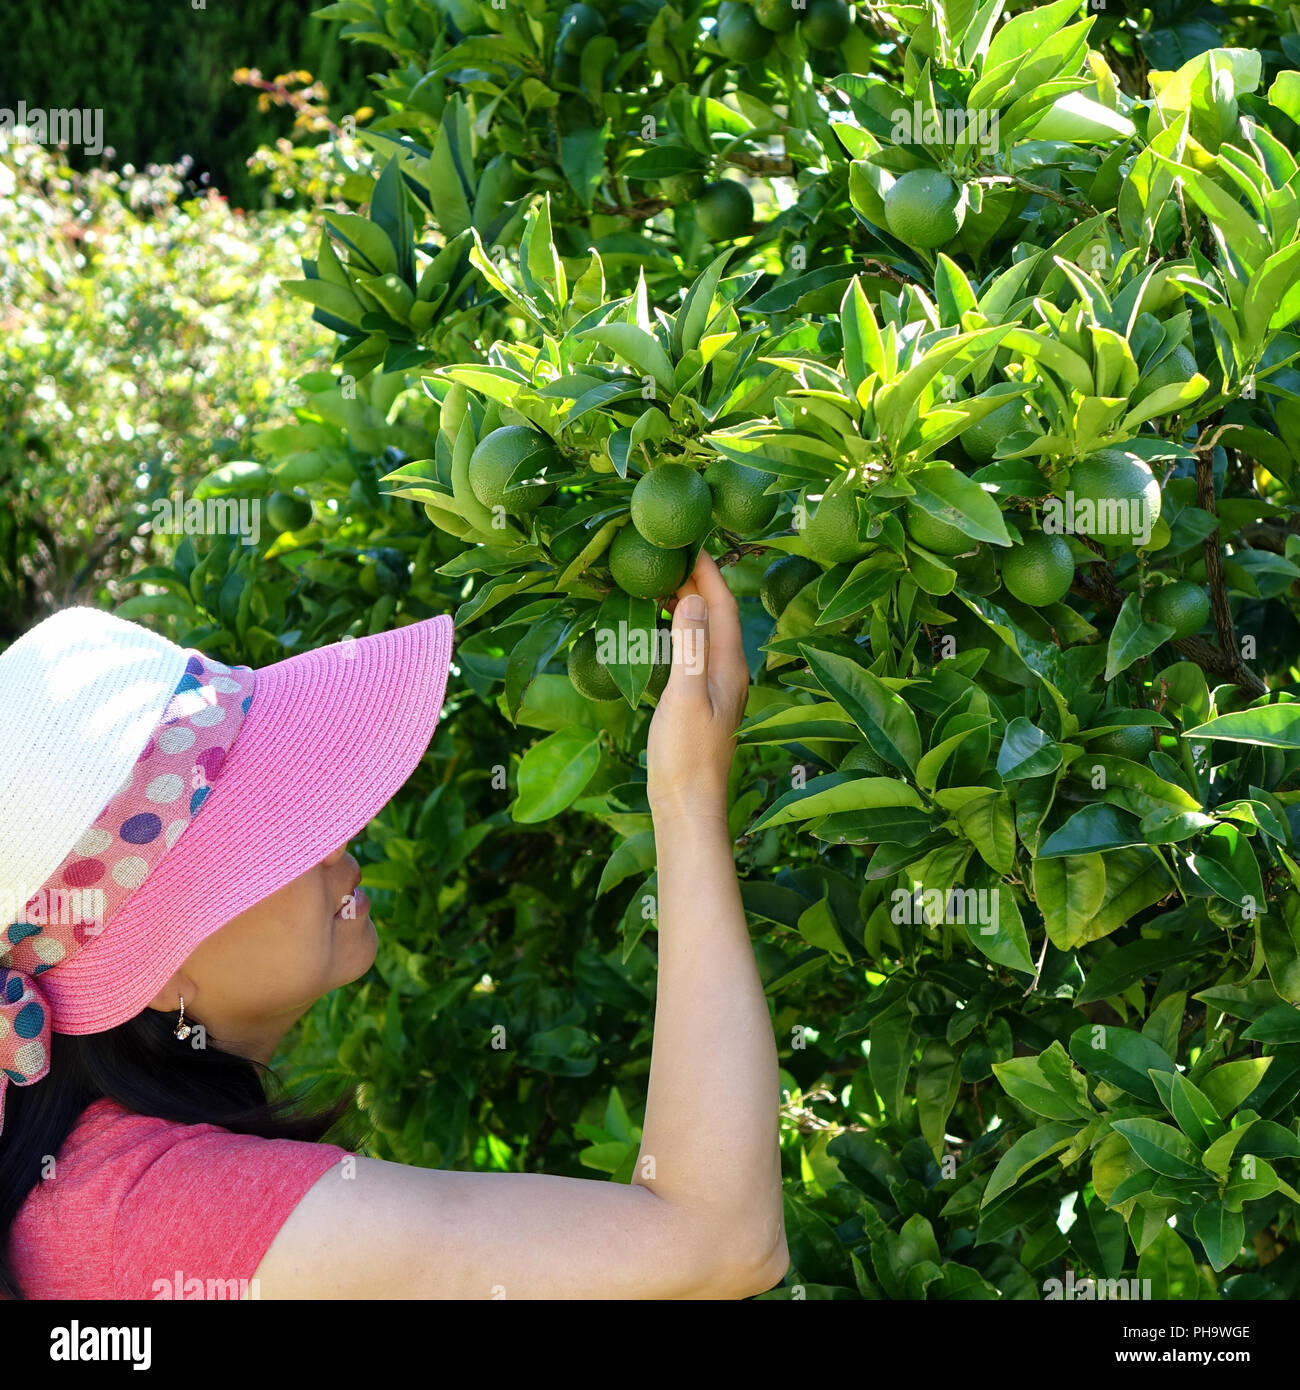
(582, 157)
(836, 791)
(692, 318)
(368, 240)
(1002, 940)
(1132, 637)
(1094, 828)
(863, 352)
(1226, 861)
(1251, 1178)
(532, 653)
(938, 1079)
(817, 928)
(1161, 1147)
(1120, 1056)
(1047, 1084)
(1279, 1026)
(664, 160)
(1280, 939)
(554, 773)
(1168, 1263)
(885, 718)
(1029, 1149)
(636, 855)
(1231, 1082)
(1068, 893)
(1221, 1231)
(1274, 726)
(988, 822)
(390, 210)
(1026, 752)
(538, 261)
(1192, 1109)
(890, 1059)
(953, 498)
(636, 346)
(1115, 972)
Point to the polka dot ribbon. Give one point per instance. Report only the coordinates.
(144, 818)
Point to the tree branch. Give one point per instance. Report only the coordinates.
(1236, 670)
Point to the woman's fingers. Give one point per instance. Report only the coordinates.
(690, 673)
(717, 650)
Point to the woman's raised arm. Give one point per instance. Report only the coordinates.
(701, 1217)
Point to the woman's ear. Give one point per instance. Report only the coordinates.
(168, 998)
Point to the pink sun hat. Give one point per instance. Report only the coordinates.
(149, 794)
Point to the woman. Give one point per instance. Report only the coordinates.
(176, 894)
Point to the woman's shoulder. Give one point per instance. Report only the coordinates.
(136, 1206)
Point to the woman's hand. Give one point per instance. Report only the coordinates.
(691, 735)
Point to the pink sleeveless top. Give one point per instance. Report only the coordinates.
(142, 1208)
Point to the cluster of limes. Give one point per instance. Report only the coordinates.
(591, 677)
(746, 32)
(674, 507)
(724, 209)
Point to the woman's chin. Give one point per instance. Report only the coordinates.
(357, 941)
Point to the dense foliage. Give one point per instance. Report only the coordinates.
(1015, 802)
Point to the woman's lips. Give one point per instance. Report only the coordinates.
(358, 905)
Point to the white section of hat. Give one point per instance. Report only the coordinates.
(79, 696)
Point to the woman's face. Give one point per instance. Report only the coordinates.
(249, 982)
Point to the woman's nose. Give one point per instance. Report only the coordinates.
(334, 856)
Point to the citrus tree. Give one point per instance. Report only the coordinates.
(965, 341)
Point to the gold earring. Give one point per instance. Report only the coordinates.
(182, 1029)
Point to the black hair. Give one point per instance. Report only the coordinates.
(143, 1068)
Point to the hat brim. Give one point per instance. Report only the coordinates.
(331, 735)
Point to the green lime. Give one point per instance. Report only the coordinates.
(783, 579)
(590, 675)
(864, 758)
(368, 580)
(681, 188)
(780, 16)
(740, 500)
(671, 506)
(287, 512)
(498, 455)
(826, 23)
(724, 210)
(740, 36)
(1116, 498)
(982, 438)
(934, 535)
(1039, 570)
(833, 530)
(1134, 742)
(1182, 605)
(579, 24)
(1178, 367)
(644, 570)
(923, 208)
